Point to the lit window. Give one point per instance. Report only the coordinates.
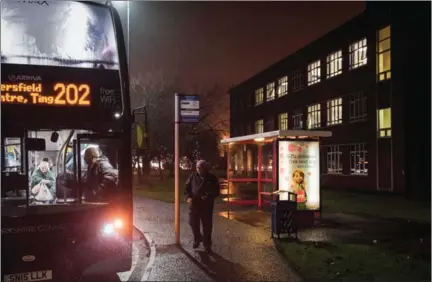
(384, 122)
(297, 80)
(297, 118)
(384, 55)
(334, 64)
(12, 154)
(314, 72)
(283, 121)
(314, 116)
(334, 157)
(259, 126)
(357, 107)
(358, 159)
(334, 111)
(259, 96)
(358, 54)
(282, 86)
(270, 91)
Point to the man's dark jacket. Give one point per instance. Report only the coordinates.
(102, 178)
(199, 189)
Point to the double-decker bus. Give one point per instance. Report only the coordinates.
(66, 188)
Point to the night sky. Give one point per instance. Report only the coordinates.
(225, 43)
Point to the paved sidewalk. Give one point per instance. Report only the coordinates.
(241, 252)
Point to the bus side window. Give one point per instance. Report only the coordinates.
(12, 154)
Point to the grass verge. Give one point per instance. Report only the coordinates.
(353, 263)
(374, 205)
(370, 205)
(161, 190)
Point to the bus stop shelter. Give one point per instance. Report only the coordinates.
(259, 165)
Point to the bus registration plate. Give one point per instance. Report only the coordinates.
(29, 276)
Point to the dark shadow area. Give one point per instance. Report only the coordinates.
(197, 263)
(225, 270)
(220, 269)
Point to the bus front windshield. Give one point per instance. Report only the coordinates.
(57, 33)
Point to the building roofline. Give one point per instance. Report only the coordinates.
(314, 42)
(293, 134)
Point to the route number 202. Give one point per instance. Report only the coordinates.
(72, 94)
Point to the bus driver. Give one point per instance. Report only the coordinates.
(102, 178)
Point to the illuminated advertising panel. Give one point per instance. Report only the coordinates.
(58, 55)
(299, 173)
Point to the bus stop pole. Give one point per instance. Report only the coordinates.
(176, 172)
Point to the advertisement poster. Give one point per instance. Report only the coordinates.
(299, 172)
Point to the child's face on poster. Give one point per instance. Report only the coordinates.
(297, 177)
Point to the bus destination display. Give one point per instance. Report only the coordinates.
(60, 94)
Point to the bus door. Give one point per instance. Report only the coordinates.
(97, 173)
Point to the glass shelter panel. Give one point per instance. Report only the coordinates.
(267, 161)
(243, 171)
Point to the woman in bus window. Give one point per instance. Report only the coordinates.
(43, 176)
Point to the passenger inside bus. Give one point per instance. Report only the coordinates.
(53, 174)
(101, 178)
(43, 184)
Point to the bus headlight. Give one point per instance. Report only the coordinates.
(108, 229)
(112, 227)
(118, 224)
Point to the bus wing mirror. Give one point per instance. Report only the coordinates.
(35, 144)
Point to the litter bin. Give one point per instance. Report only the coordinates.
(283, 216)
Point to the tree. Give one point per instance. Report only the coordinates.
(155, 91)
(204, 140)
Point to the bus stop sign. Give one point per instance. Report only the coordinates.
(187, 107)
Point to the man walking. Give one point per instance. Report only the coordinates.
(202, 188)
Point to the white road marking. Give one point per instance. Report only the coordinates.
(151, 259)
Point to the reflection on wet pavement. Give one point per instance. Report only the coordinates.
(245, 253)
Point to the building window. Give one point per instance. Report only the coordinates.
(259, 96)
(283, 121)
(358, 159)
(334, 157)
(297, 80)
(270, 91)
(358, 54)
(282, 86)
(384, 122)
(314, 72)
(334, 64)
(297, 119)
(259, 126)
(314, 116)
(384, 57)
(334, 111)
(357, 107)
(269, 125)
